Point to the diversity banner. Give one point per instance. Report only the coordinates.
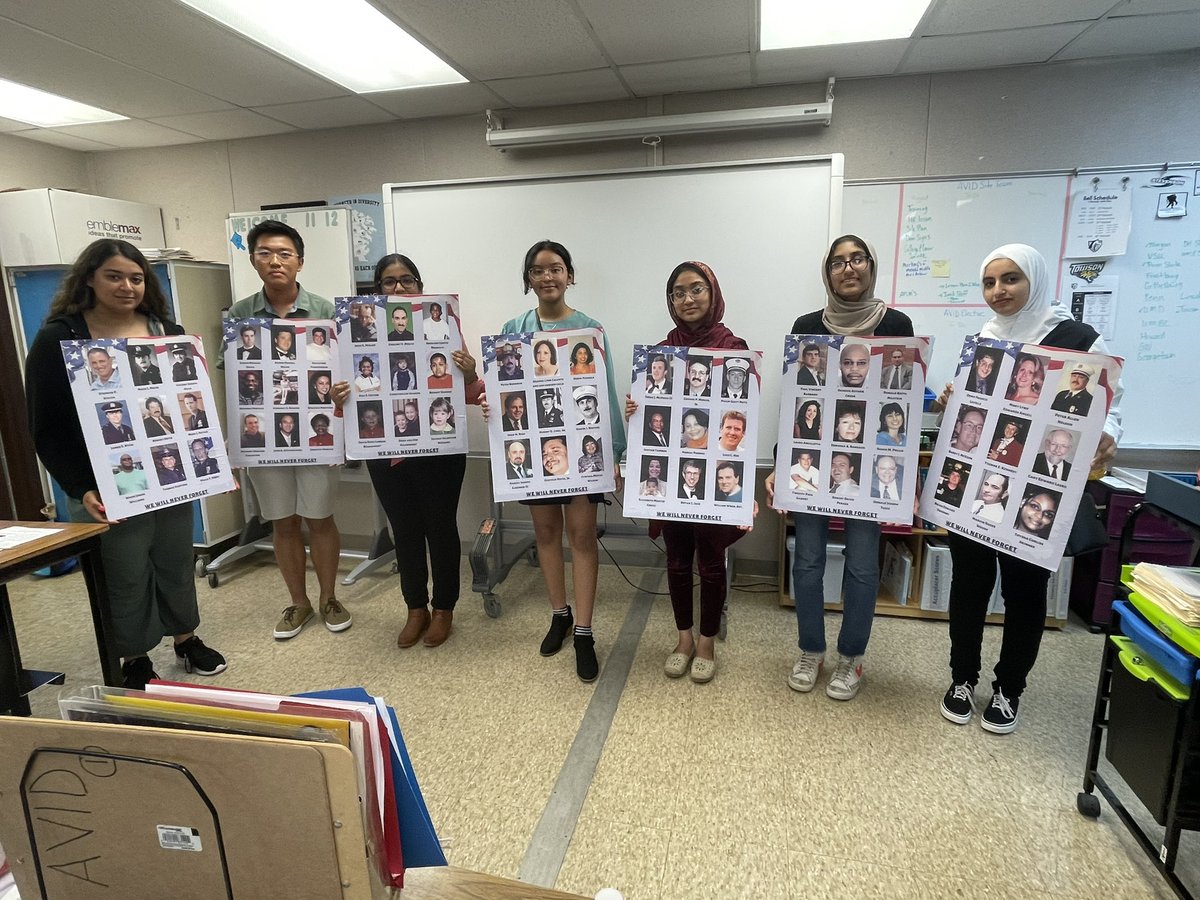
(850, 425)
(550, 424)
(279, 376)
(693, 439)
(149, 418)
(1016, 442)
(407, 398)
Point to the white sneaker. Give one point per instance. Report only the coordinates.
(847, 678)
(806, 671)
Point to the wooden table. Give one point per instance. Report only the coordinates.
(62, 541)
(452, 883)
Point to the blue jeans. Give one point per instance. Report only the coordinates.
(860, 583)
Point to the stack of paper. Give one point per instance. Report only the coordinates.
(399, 832)
(896, 576)
(1175, 589)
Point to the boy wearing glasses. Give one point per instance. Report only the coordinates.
(292, 496)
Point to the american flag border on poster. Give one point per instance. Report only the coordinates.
(537, 434)
(665, 496)
(282, 394)
(861, 495)
(441, 407)
(964, 457)
(195, 472)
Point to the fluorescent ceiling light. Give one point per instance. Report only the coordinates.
(792, 23)
(25, 104)
(349, 42)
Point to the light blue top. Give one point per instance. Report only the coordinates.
(528, 321)
(883, 439)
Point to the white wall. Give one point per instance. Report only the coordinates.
(1127, 111)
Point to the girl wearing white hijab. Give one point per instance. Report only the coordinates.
(848, 272)
(1015, 286)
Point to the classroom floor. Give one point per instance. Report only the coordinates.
(667, 789)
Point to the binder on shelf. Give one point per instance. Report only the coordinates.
(935, 576)
(90, 809)
(896, 575)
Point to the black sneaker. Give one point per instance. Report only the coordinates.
(959, 703)
(560, 627)
(136, 672)
(198, 658)
(587, 667)
(1001, 715)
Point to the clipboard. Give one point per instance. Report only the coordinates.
(100, 810)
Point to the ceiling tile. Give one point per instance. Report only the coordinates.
(818, 63)
(69, 141)
(633, 31)
(569, 87)
(967, 16)
(501, 39)
(1137, 34)
(130, 133)
(178, 44)
(1152, 7)
(227, 125)
(340, 112)
(679, 76)
(439, 100)
(989, 49)
(62, 68)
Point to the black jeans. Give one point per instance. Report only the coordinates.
(1023, 586)
(420, 496)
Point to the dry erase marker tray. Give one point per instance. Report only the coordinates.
(1176, 493)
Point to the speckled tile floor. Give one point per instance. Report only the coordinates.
(738, 788)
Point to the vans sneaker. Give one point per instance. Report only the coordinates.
(847, 678)
(198, 658)
(806, 671)
(1001, 715)
(959, 703)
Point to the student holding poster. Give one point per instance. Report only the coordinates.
(420, 495)
(1015, 285)
(851, 308)
(549, 272)
(111, 292)
(697, 308)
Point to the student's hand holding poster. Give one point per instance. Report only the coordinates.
(153, 437)
(279, 378)
(693, 438)
(849, 425)
(1016, 441)
(549, 421)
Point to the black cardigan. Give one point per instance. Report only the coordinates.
(893, 324)
(53, 422)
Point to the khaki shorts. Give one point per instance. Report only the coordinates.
(284, 491)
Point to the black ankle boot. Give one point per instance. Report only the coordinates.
(587, 667)
(560, 627)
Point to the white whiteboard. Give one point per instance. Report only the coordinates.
(761, 225)
(328, 250)
(913, 224)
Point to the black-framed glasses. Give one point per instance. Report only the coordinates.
(408, 282)
(857, 261)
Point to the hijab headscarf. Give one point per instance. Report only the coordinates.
(853, 317)
(1040, 314)
(711, 332)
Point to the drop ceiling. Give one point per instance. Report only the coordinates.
(180, 78)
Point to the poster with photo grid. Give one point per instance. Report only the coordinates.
(407, 398)
(850, 425)
(149, 419)
(279, 375)
(1016, 443)
(550, 425)
(693, 439)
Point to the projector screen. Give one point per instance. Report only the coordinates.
(762, 225)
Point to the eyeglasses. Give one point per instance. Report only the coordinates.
(537, 272)
(408, 282)
(696, 291)
(857, 262)
(970, 426)
(265, 255)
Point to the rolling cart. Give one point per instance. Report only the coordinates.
(1147, 715)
